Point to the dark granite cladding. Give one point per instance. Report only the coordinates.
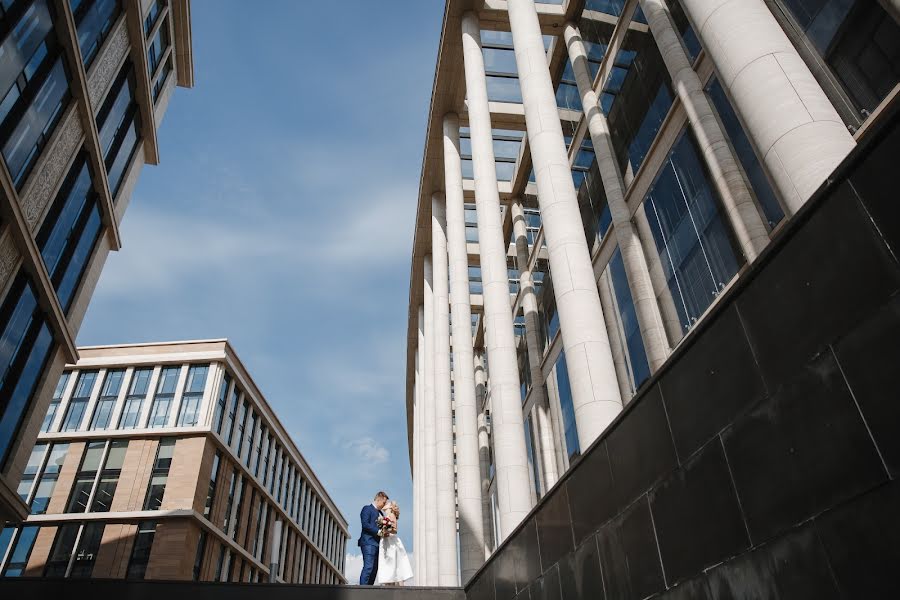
(759, 463)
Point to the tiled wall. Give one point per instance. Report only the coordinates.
(761, 461)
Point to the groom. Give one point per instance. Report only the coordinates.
(369, 538)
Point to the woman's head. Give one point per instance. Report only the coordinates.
(395, 508)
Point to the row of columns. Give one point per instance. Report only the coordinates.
(800, 138)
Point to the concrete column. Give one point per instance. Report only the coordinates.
(653, 334)
(741, 209)
(510, 462)
(484, 456)
(471, 532)
(419, 453)
(666, 301)
(443, 419)
(616, 341)
(595, 393)
(532, 341)
(430, 465)
(792, 123)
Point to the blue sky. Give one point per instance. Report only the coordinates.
(281, 217)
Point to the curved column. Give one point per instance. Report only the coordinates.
(430, 464)
(532, 341)
(741, 209)
(468, 477)
(484, 456)
(419, 456)
(653, 334)
(793, 125)
(443, 410)
(595, 392)
(508, 429)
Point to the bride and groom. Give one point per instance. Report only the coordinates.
(385, 561)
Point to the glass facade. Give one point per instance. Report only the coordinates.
(159, 476)
(109, 394)
(629, 329)
(79, 401)
(189, 413)
(567, 408)
(94, 20)
(118, 124)
(165, 395)
(134, 401)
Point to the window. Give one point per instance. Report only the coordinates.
(258, 543)
(150, 20)
(232, 412)
(162, 400)
(47, 482)
(86, 550)
(241, 495)
(189, 414)
(109, 476)
(61, 552)
(198, 558)
(159, 476)
(241, 423)
(219, 416)
(251, 432)
(109, 393)
(156, 48)
(32, 468)
(79, 401)
(118, 123)
(258, 452)
(564, 392)
(55, 402)
(84, 480)
(140, 552)
(94, 19)
(267, 450)
(693, 244)
(628, 327)
(131, 412)
(71, 230)
(213, 478)
(226, 523)
(21, 550)
(35, 88)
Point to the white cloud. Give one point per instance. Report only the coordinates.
(369, 450)
(353, 567)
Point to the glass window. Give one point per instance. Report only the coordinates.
(252, 430)
(241, 423)
(86, 550)
(213, 478)
(70, 231)
(140, 552)
(232, 481)
(595, 215)
(858, 40)
(743, 149)
(241, 496)
(84, 479)
(35, 88)
(61, 552)
(109, 476)
(131, 412)
(94, 19)
(626, 318)
(79, 401)
(118, 123)
(610, 7)
(636, 97)
(532, 457)
(21, 550)
(475, 286)
(32, 467)
(165, 394)
(47, 482)
(150, 20)
(219, 416)
(567, 408)
(258, 451)
(683, 26)
(232, 412)
(109, 393)
(156, 48)
(267, 448)
(159, 476)
(189, 413)
(198, 558)
(693, 244)
(55, 402)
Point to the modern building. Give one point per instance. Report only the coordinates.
(595, 175)
(164, 461)
(84, 85)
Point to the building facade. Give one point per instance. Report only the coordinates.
(164, 461)
(595, 174)
(85, 85)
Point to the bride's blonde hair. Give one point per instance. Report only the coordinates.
(395, 508)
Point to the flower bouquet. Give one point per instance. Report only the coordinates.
(386, 526)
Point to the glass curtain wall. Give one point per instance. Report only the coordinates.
(94, 20)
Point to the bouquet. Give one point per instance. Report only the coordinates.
(386, 527)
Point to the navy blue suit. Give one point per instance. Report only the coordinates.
(368, 543)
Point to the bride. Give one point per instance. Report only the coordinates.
(393, 562)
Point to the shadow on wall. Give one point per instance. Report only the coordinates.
(761, 460)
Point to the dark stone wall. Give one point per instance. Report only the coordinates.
(761, 461)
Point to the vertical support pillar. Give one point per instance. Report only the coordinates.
(421, 513)
(508, 428)
(793, 125)
(484, 455)
(595, 392)
(443, 410)
(471, 533)
(740, 207)
(430, 466)
(535, 352)
(650, 322)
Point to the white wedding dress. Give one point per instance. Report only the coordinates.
(393, 562)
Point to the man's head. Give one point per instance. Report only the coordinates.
(380, 499)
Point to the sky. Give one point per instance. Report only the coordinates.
(281, 217)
